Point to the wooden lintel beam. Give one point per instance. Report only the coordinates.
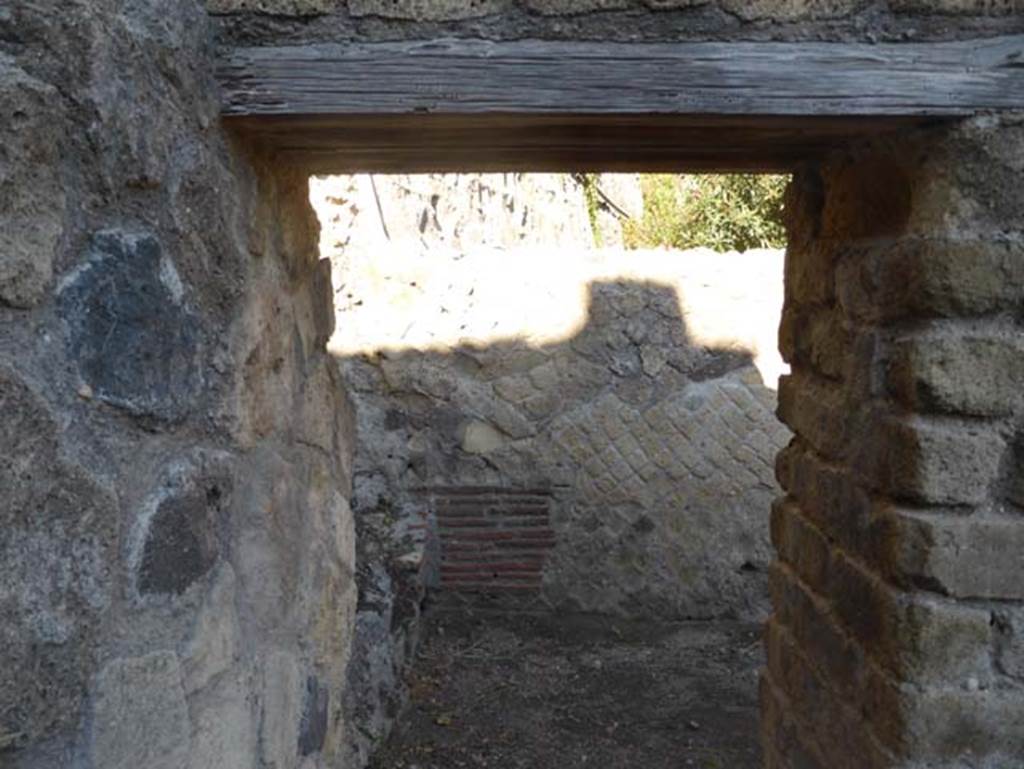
(456, 105)
(949, 79)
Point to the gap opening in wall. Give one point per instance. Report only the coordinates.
(565, 392)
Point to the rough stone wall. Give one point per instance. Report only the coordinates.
(278, 22)
(898, 617)
(127, 215)
(176, 541)
(620, 382)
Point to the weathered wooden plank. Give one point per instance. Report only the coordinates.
(545, 78)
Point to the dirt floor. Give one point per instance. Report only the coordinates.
(530, 692)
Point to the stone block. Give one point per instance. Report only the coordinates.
(427, 10)
(325, 418)
(816, 410)
(1013, 480)
(911, 636)
(137, 343)
(966, 556)
(567, 7)
(966, 180)
(840, 659)
(181, 545)
(932, 278)
(805, 615)
(298, 229)
(835, 501)
(804, 203)
(515, 389)
(268, 549)
(783, 744)
(269, 348)
(1009, 626)
(941, 721)
(481, 438)
(976, 371)
(817, 339)
(176, 538)
(273, 7)
(915, 636)
(224, 726)
(215, 642)
(663, 5)
(139, 714)
(541, 405)
(944, 725)
(281, 712)
(321, 302)
(32, 199)
(791, 10)
(331, 594)
(958, 7)
(935, 462)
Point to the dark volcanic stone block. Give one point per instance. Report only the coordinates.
(136, 342)
(182, 542)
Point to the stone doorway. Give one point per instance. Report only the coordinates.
(166, 388)
(875, 482)
(893, 199)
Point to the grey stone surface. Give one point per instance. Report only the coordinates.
(215, 643)
(792, 10)
(281, 710)
(32, 197)
(624, 20)
(57, 544)
(223, 726)
(139, 715)
(561, 7)
(959, 7)
(276, 7)
(426, 10)
(393, 573)
(163, 324)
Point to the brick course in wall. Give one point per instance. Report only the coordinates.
(492, 539)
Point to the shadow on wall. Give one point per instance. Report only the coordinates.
(406, 296)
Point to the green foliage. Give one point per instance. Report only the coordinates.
(593, 200)
(722, 212)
